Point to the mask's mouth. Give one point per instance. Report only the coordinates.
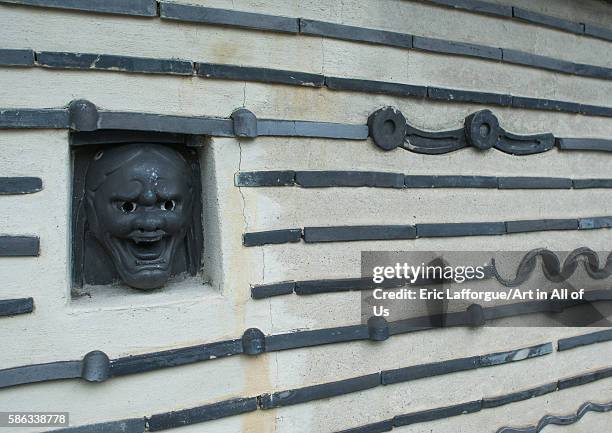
(146, 247)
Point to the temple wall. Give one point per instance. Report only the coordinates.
(217, 304)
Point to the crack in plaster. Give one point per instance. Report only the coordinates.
(246, 222)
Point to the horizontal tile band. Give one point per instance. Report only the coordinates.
(97, 367)
(327, 179)
(489, 403)
(20, 185)
(423, 230)
(248, 20)
(19, 246)
(561, 420)
(232, 18)
(237, 406)
(114, 63)
(13, 307)
(554, 269)
(170, 10)
(84, 116)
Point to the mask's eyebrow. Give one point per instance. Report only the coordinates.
(130, 191)
(168, 189)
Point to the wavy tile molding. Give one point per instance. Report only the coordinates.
(390, 130)
(560, 419)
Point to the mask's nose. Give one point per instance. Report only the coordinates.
(149, 222)
(149, 219)
(148, 197)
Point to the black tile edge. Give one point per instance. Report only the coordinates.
(316, 337)
(174, 357)
(463, 364)
(301, 128)
(457, 48)
(562, 420)
(547, 20)
(134, 425)
(515, 355)
(264, 178)
(263, 75)
(598, 32)
(549, 105)
(146, 8)
(378, 427)
(595, 223)
(592, 183)
(457, 95)
(584, 378)
(271, 237)
(19, 246)
(437, 413)
(249, 20)
(352, 33)
(269, 290)
(106, 62)
(318, 392)
(15, 118)
(584, 340)
(309, 287)
(595, 110)
(199, 414)
(358, 233)
(429, 370)
(491, 402)
(445, 181)
(20, 185)
(584, 144)
(541, 225)
(12, 307)
(322, 179)
(370, 86)
(476, 6)
(534, 183)
(460, 229)
(40, 373)
(553, 64)
(219, 127)
(10, 57)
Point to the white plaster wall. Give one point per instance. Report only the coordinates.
(218, 306)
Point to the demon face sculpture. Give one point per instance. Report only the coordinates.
(138, 201)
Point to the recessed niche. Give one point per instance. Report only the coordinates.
(136, 212)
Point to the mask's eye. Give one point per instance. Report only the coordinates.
(168, 205)
(127, 206)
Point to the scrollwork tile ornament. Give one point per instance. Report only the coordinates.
(389, 130)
